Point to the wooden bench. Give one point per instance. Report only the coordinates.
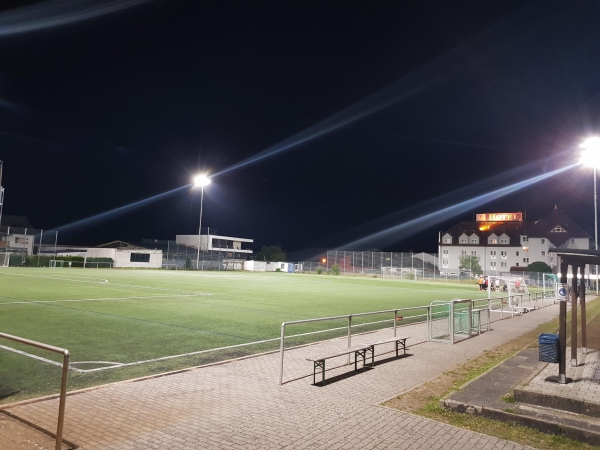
(359, 351)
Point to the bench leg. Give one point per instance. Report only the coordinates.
(372, 356)
(322, 366)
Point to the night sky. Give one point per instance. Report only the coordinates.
(439, 96)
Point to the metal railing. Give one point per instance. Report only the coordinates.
(63, 384)
(349, 327)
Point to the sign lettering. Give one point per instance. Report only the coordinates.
(499, 217)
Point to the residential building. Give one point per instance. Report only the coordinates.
(503, 240)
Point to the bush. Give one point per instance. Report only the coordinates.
(335, 269)
(319, 270)
(278, 270)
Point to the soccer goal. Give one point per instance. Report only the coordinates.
(512, 294)
(54, 263)
(4, 259)
(550, 286)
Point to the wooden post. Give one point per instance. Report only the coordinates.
(574, 297)
(582, 304)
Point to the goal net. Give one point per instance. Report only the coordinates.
(512, 294)
(550, 285)
(56, 263)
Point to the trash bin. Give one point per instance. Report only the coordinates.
(548, 347)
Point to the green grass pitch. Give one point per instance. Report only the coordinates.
(108, 317)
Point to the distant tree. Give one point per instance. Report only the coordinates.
(470, 263)
(538, 266)
(270, 253)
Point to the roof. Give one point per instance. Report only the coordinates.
(120, 245)
(540, 229)
(543, 228)
(16, 221)
(512, 229)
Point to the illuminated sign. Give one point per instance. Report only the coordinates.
(500, 217)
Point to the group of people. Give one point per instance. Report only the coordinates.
(484, 284)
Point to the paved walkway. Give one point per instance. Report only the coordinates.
(240, 405)
(584, 379)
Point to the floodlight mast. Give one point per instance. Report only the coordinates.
(591, 158)
(1, 194)
(200, 181)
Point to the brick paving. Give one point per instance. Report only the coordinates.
(239, 405)
(585, 384)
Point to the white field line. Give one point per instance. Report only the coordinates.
(135, 363)
(103, 299)
(49, 361)
(103, 282)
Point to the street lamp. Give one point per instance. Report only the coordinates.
(591, 158)
(200, 181)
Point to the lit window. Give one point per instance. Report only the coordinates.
(493, 241)
(558, 229)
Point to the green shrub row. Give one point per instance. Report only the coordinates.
(44, 261)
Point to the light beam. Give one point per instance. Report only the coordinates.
(115, 212)
(56, 13)
(413, 226)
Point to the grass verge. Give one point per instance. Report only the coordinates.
(425, 399)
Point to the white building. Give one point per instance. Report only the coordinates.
(17, 235)
(124, 255)
(502, 241)
(233, 246)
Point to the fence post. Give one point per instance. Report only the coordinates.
(349, 335)
(281, 354)
(451, 319)
(63, 400)
(395, 319)
(428, 323)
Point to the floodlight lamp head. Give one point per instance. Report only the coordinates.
(591, 153)
(201, 181)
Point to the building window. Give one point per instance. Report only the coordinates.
(558, 229)
(21, 240)
(503, 254)
(503, 264)
(504, 241)
(140, 257)
(517, 264)
(517, 253)
(445, 252)
(464, 240)
(525, 260)
(543, 241)
(447, 240)
(524, 238)
(572, 241)
(473, 252)
(463, 253)
(493, 241)
(543, 253)
(493, 254)
(493, 264)
(444, 262)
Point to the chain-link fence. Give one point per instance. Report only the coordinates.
(396, 265)
(177, 256)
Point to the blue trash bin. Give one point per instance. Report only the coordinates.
(548, 347)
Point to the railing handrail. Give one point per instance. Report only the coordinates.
(63, 384)
(345, 316)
